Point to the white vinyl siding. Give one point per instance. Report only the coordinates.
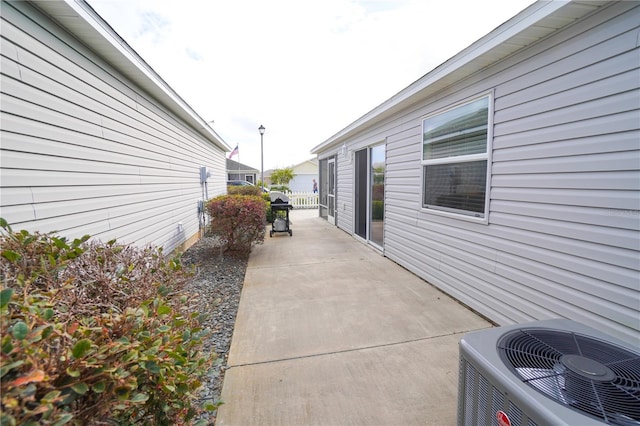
(344, 190)
(563, 231)
(86, 151)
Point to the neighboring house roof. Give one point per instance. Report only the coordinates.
(532, 24)
(234, 166)
(79, 18)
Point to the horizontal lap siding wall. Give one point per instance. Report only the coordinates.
(344, 191)
(84, 151)
(563, 238)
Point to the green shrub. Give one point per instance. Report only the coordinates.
(95, 333)
(377, 210)
(281, 188)
(377, 191)
(239, 221)
(256, 191)
(269, 214)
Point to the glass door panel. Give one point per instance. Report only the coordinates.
(369, 194)
(377, 169)
(331, 191)
(361, 193)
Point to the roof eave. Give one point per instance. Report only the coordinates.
(535, 22)
(84, 23)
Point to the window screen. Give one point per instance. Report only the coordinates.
(454, 158)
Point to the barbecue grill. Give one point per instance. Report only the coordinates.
(280, 203)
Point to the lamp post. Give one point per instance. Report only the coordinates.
(261, 130)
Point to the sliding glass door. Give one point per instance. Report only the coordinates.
(369, 194)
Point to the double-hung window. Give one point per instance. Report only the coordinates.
(455, 146)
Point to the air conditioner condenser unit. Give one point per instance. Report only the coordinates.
(554, 372)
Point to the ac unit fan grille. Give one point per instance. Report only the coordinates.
(588, 375)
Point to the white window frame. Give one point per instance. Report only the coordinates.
(443, 211)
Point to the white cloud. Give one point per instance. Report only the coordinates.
(302, 69)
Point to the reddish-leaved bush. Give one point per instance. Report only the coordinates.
(244, 190)
(238, 220)
(94, 333)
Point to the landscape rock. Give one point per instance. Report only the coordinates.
(216, 285)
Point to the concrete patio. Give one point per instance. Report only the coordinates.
(329, 332)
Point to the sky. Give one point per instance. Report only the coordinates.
(304, 69)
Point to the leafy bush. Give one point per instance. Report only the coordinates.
(239, 221)
(95, 333)
(256, 191)
(377, 210)
(377, 191)
(269, 213)
(281, 188)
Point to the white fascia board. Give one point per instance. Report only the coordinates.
(486, 47)
(79, 18)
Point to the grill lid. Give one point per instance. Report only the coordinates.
(278, 197)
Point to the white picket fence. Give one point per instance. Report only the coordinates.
(303, 200)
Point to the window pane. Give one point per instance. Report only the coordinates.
(458, 187)
(460, 131)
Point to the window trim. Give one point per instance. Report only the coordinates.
(443, 211)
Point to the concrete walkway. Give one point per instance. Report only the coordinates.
(329, 332)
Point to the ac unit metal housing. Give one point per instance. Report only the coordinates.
(490, 392)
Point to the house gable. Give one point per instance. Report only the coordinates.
(309, 167)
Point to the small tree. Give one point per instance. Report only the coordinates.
(282, 176)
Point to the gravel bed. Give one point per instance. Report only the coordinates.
(216, 285)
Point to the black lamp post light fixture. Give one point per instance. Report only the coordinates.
(261, 129)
